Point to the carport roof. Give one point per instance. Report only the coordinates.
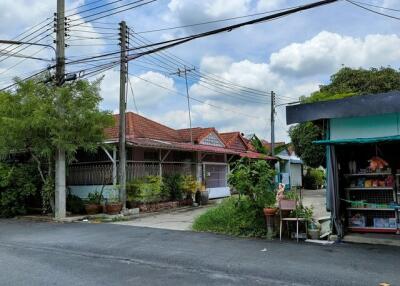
(355, 106)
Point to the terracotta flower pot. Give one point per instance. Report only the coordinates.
(113, 208)
(92, 209)
(269, 211)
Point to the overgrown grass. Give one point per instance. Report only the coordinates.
(233, 216)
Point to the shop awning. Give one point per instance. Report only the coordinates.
(358, 140)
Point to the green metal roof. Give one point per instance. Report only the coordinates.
(359, 140)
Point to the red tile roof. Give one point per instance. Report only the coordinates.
(234, 140)
(198, 133)
(144, 132)
(141, 127)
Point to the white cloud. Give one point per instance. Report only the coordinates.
(266, 5)
(327, 52)
(178, 119)
(147, 95)
(243, 73)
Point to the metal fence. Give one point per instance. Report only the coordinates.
(93, 174)
(101, 174)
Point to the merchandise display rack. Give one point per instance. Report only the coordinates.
(374, 203)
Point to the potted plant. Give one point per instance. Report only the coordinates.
(189, 186)
(113, 204)
(93, 205)
(269, 203)
(204, 195)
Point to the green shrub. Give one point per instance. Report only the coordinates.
(18, 183)
(75, 204)
(147, 190)
(189, 185)
(173, 186)
(254, 179)
(234, 216)
(314, 178)
(95, 197)
(133, 190)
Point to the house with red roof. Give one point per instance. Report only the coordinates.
(158, 150)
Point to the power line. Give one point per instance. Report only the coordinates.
(110, 14)
(376, 6)
(19, 48)
(28, 30)
(194, 99)
(133, 95)
(179, 41)
(84, 5)
(95, 8)
(373, 11)
(217, 81)
(214, 21)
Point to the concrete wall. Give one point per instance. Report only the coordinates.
(365, 127)
(83, 191)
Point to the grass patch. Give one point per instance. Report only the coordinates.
(233, 216)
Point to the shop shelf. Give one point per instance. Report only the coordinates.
(368, 174)
(371, 188)
(371, 209)
(372, 229)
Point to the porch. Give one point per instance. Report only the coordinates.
(91, 173)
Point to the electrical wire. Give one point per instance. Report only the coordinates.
(95, 8)
(84, 5)
(213, 78)
(376, 6)
(27, 31)
(18, 48)
(373, 11)
(133, 95)
(179, 41)
(114, 13)
(25, 79)
(195, 99)
(214, 21)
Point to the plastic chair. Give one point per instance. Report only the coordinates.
(289, 205)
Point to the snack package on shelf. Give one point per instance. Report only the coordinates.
(357, 221)
(389, 182)
(392, 222)
(367, 184)
(381, 222)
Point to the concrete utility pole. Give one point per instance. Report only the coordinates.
(122, 117)
(60, 178)
(184, 72)
(272, 123)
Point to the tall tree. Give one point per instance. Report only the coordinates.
(346, 82)
(31, 122)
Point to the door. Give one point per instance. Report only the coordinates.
(216, 180)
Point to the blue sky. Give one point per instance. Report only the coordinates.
(292, 55)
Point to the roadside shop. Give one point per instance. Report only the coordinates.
(362, 139)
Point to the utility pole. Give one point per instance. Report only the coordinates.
(122, 117)
(60, 176)
(272, 123)
(184, 72)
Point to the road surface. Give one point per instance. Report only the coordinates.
(108, 254)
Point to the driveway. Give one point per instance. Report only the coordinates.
(316, 199)
(40, 254)
(179, 219)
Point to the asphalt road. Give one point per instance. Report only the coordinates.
(108, 254)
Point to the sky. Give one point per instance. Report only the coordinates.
(291, 56)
